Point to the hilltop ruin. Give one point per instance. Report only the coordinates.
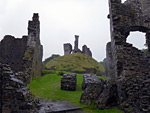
(68, 48)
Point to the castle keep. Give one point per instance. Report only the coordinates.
(68, 48)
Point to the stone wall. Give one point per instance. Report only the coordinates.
(67, 48)
(24, 53)
(86, 50)
(12, 51)
(15, 96)
(20, 62)
(131, 70)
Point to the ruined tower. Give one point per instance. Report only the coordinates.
(67, 48)
(76, 43)
(24, 53)
(34, 46)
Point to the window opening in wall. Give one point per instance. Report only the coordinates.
(138, 40)
(122, 1)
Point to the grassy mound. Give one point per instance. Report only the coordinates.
(48, 87)
(76, 62)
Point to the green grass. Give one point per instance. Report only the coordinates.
(48, 87)
(75, 62)
(103, 78)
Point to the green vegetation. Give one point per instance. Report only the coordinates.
(54, 56)
(145, 51)
(48, 87)
(28, 53)
(103, 78)
(75, 62)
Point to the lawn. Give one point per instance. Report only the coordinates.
(48, 87)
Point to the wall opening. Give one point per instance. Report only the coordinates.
(122, 1)
(138, 40)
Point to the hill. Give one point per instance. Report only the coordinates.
(54, 56)
(75, 62)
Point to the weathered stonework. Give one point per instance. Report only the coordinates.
(128, 66)
(15, 96)
(24, 53)
(102, 93)
(92, 87)
(69, 82)
(86, 50)
(12, 52)
(67, 48)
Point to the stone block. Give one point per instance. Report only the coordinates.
(69, 82)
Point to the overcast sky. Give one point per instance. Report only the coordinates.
(60, 20)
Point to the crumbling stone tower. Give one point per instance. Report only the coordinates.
(126, 65)
(76, 49)
(24, 54)
(34, 47)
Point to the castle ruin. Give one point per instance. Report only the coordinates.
(126, 65)
(20, 62)
(127, 68)
(25, 52)
(68, 48)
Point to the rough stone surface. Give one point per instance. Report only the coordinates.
(24, 53)
(128, 66)
(58, 107)
(15, 96)
(108, 97)
(86, 50)
(12, 51)
(69, 82)
(92, 87)
(67, 48)
(34, 52)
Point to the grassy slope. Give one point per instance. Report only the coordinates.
(75, 62)
(48, 87)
